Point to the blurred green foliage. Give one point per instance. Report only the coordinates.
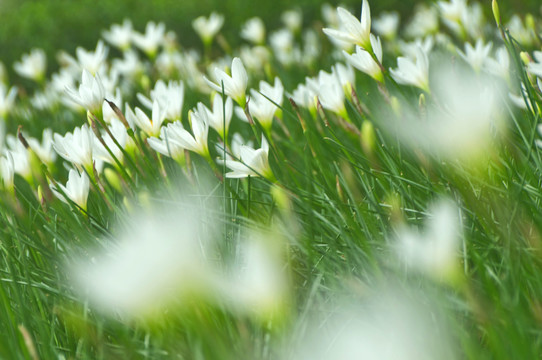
(66, 24)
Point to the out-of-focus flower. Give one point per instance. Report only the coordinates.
(207, 28)
(20, 156)
(255, 57)
(76, 189)
(118, 130)
(235, 85)
(364, 61)
(305, 96)
(44, 150)
(433, 252)
(410, 49)
(388, 325)
(220, 116)
(413, 73)
(292, 19)
(167, 144)
(253, 30)
(345, 75)
(151, 127)
(452, 12)
(152, 265)
(535, 67)
(76, 147)
(386, 25)
(262, 103)
(284, 49)
(500, 66)
(423, 23)
(355, 31)
(119, 35)
(92, 60)
(464, 123)
(7, 170)
(150, 41)
(90, 94)
(7, 99)
(476, 55)
(252, 162)
(330, 92)
(32, 66)
(170, 98)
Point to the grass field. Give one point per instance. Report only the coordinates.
(315, 185)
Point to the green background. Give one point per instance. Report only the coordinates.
(66, 24)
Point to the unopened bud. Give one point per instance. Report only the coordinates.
(496, 12)
(368, 136)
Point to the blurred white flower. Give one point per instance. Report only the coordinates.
(345, 75)
(389, 325)
(354, 31)
(32, 65)
(90, 94)
(463, 123)
(235, 85)
(433, 252)
(76, 189)
(424, 22)
(304, 96)
(252, 162)
(76, 147)
(92, 60)
(170, 98)
(292, 19)
(386, 24)
(410, 49)
(253, 30)
(7, 170)
(519, 31)
(167, 144)
(151, 127)
(413, 73)
(262, 103)
(207, 28)
(119, 35)
(476, 55)
(500, 66)
(364, 61)
(330, 92)
(7, 99)
(151, 266)
(535, 67)
(220, 116)
(153, 37)
(44, 150)
(118, 130)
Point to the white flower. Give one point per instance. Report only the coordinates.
(221, 115)
(253, 30)
(252, 162)
(170, 98)
(92, 60)
(386, 24)
(44, 150)
(119, 35)
(363, 60)
(154, 36)
(520, 32)
(462, 125)
(476, 56)
(151, 127)
(20, 156)
(200, 128)
(410, 49)
(355, 31)
(152, 266)
(76, 189)
(118, 130)
(7, 99)
(423, 23)
(500, 66)
(413, 73)
(235, 85)
(207, 28)
(32, 66)
(76, 147)
(433, 252)
(166, 144)
(304, 96)
(345, 75)
(330, 92)
(7, 170)
(91, 92)
(262, 104)
(293, 19)
(535, 67)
